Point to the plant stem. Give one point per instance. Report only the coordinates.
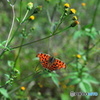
(93, 20)
(18, 52)
(41, 39)
(9, 35)
(14, 33)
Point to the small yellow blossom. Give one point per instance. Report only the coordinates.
(78, 56)
(66, 5)
(83, 4)
(74, 18)
(72, 11)
(74, 23)
(32, 17)
(22, 88)
(29, 5)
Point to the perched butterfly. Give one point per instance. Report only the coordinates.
(50, 62)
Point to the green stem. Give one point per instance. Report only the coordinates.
(61, 20)
(93, 21)
(15, 33)
(18, 52)
(20, 16)
(41, 39)
(9, 35)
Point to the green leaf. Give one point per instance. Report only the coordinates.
(85, 86)
(73, 73)
(36, 58)
(17, 19)
(54, 77)
(4, 92)
(91, 32)
(78, 34)
(11, 63)
(65, 96)
(70, 77)
(92, 80)
(84, 74)
(8, 76)
(87, 26)
(55, 80)
(74, 81)
(85, 69)
(4, 42)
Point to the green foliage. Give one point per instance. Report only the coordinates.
(29, 27)
(4, 92)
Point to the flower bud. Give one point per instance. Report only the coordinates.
(72, 11)
(29, 5)
(66, 5)
(31, 17)
(74, 23)
(78, 56)
(74, 18)
(83, 4)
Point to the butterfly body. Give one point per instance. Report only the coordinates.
(50, 63)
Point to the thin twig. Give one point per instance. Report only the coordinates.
(9, 35)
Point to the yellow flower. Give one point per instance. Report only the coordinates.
(22, 88)
(83, 4)
(66, 5)
(32, 17)
(29, 5)
(74, 18)
(78, 56)
(74, 23)
(72, 11)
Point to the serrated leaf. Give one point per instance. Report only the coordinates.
(4, 92)
(74, 81)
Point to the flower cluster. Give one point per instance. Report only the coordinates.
(35, 10)
(71, 11)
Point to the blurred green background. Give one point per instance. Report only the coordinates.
(47, 85)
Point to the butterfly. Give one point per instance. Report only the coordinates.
(50, 62)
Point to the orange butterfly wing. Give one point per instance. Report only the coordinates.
(44, 58)
(57, 64)
(51, 65)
